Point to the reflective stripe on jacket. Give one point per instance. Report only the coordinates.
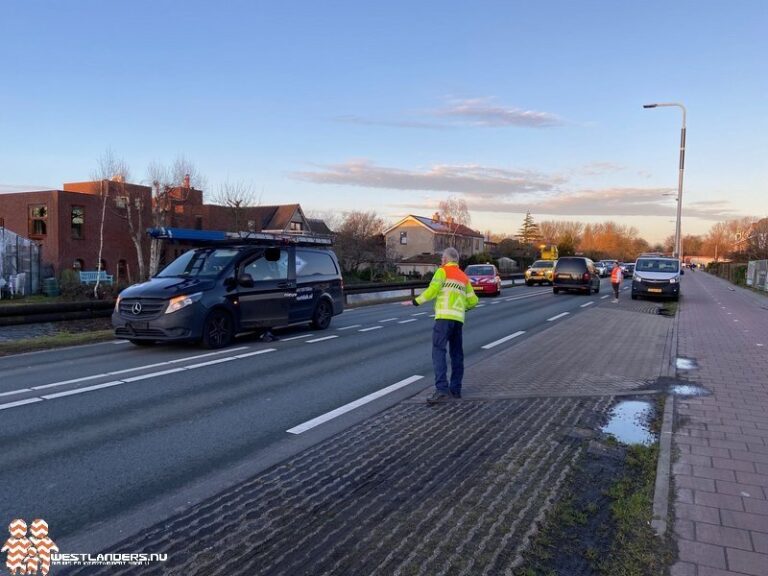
(452, 292)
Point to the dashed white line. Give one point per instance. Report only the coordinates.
(371, 328)
(587, 304)
(82, 390)
(557, 317)
(502, 340)
(349, 327)
(419, 314)
(407, 321)
(296, 337)
(479, 305)
(604, 297)
(19, 391)
(495, 302)
(387, 320)
(323, 339)
(309, 424)
(20, 403)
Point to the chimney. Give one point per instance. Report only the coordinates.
(436, 217)
(118, 178)
(186, 180)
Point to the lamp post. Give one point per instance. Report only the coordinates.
(678, 237)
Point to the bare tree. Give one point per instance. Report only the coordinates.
(237, 196)
(360, 240)
(169, 184)
(454, 212)
(112, 173)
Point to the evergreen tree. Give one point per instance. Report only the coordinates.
(529, 232)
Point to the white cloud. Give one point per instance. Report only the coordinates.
(482, 112)
(476, 180)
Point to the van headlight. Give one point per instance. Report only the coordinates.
(117, 302)
(182, 301)
(674, 280)
(636, 278)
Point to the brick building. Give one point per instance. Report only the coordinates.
(66, 223)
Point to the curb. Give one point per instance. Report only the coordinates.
(664, 465)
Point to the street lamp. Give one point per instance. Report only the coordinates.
(678, 237)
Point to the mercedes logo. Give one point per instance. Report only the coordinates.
(136, 309)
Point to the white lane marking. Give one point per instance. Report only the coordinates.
(587, 304)
(134, 378)
(324, 338)
(309, 424)
(557, 317)
(502, 340)
(136, 369)
(296, 337)
(759, 344)
(371, 328)
(479, 305)
(541, 293)
(20, 403)
(419, 314)
(82, 390)
(387, 320)
(120, 342)
(432, 315)
(604, 297)
(19, 391)
(409, 320)
(496, 302)
(249, 354)
(349, 327)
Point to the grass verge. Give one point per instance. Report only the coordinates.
(60, 340)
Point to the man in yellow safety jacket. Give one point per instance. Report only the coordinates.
(453, 295)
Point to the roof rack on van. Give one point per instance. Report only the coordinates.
(208, 237)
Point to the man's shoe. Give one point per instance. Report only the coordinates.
(456, 395)
(437, 397)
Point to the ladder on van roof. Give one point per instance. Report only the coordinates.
(210, 237)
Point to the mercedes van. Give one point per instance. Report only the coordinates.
(211, 293)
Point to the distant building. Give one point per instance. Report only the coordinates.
(417, 235)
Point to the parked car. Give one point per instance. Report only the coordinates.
(575, 273)
(210, 294)
(540, 272)
(485, 278)
(656, 276)
(602, 269)
(628, 268)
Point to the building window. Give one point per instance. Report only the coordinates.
(403, 237)
(103, 265)
(198, 222)
(296, 227)
(38, 220)
(78, 264)
(121, 202)
(78, 221)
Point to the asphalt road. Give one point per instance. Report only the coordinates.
(101, 438)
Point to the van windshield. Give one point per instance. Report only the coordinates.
(657, 265)
(205, 262)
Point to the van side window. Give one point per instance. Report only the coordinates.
(262, 269)
(314, 264)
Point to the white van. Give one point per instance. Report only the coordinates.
(656, 276)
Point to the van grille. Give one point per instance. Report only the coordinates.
(135, 308)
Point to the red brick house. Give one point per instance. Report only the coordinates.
(66, 223)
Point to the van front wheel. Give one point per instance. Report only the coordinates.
(218, 330)
(321, 319)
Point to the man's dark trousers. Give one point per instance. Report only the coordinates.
(448, 333)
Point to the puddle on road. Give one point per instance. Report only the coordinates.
(685, 364)
(628, 422)
(688, 390)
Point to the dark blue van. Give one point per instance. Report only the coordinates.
(211, 293)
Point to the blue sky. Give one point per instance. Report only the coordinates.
(393, 106)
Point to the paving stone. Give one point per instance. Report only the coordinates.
(701, 553)
(722, 501)
(747, 562)
(723, 536)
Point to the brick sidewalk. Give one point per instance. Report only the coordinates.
(721, 474)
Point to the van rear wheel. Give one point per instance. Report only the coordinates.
(218, 330)
(321, 319)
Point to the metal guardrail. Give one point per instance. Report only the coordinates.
(16, 314)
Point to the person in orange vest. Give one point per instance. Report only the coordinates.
(616, 277)
(453, 295)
